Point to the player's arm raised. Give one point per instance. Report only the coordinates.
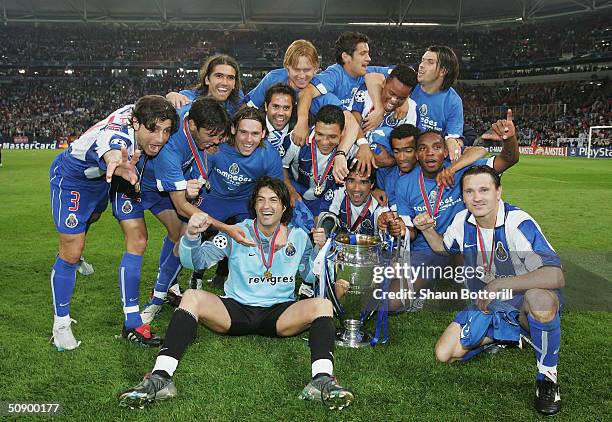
(119, 164)
(504, 131)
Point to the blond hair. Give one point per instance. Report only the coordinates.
(299, 48)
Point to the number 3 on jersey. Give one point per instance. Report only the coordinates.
(74, 200)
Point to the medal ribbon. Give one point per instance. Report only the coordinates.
(194, 151)
(266, 262)
(488, 265)
(426, 199)
(313, 154)
(347, 206)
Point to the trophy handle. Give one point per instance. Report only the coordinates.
(329, 221)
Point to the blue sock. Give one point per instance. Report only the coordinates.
(168, 272)
(63, 277)
(546, 337)
(166, 250)
(129, 285)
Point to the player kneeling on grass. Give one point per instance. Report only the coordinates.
(79, 177)
(517, 288)
(259, 297)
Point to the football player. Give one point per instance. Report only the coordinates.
(79, 180)
(259, 297)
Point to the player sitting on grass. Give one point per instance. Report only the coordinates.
(515, 256)
(259, 297)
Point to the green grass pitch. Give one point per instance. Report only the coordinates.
(255, 378)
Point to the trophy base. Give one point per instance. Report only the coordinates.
(352, 339)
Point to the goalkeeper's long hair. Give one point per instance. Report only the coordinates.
(278, 187)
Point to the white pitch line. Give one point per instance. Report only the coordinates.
(542, 177)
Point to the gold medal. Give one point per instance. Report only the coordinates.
(268, 275)
(434, 224)
(488, 277)
(137, 187)
(318, 190)
(207, 186)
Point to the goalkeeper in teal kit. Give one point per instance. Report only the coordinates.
(259, 296)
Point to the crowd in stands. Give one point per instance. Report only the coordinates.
(48, 102)
(66, 106)
(479, 49)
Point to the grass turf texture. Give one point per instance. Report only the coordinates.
(258, 378)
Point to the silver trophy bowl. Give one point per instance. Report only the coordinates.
(352, 289)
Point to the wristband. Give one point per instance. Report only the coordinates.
(340, 153)
(362, 141)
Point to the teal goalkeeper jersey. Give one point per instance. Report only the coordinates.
(246, 282)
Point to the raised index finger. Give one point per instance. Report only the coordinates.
(509, 114)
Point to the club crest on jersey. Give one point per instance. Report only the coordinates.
(391, 121)
(290, 249)
(220, 241)
(234, 169)
(281, 151)
(127, 207)
(500, 252)
(366, 224)
(329, 195)
(423, 109)
(71, 221)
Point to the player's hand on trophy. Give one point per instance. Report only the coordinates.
(236, 233)
(384, 219)
(446, 177)
(193, 189)
(373, 119)
(177, 100)
(198, 223)
(299, 135)
(424, 221)
(381, 196)
(402, 111)
(454, 148)
(340, 170)
(397, 227)
(123, 167)
(502, 129)
(319, 237)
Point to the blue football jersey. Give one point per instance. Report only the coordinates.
(337, 81)
(233, 175)
(516, 244)
(173, 165)
(410, 201)
(442, 111)
(83, 158)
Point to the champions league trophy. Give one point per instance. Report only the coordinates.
(348, 281)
